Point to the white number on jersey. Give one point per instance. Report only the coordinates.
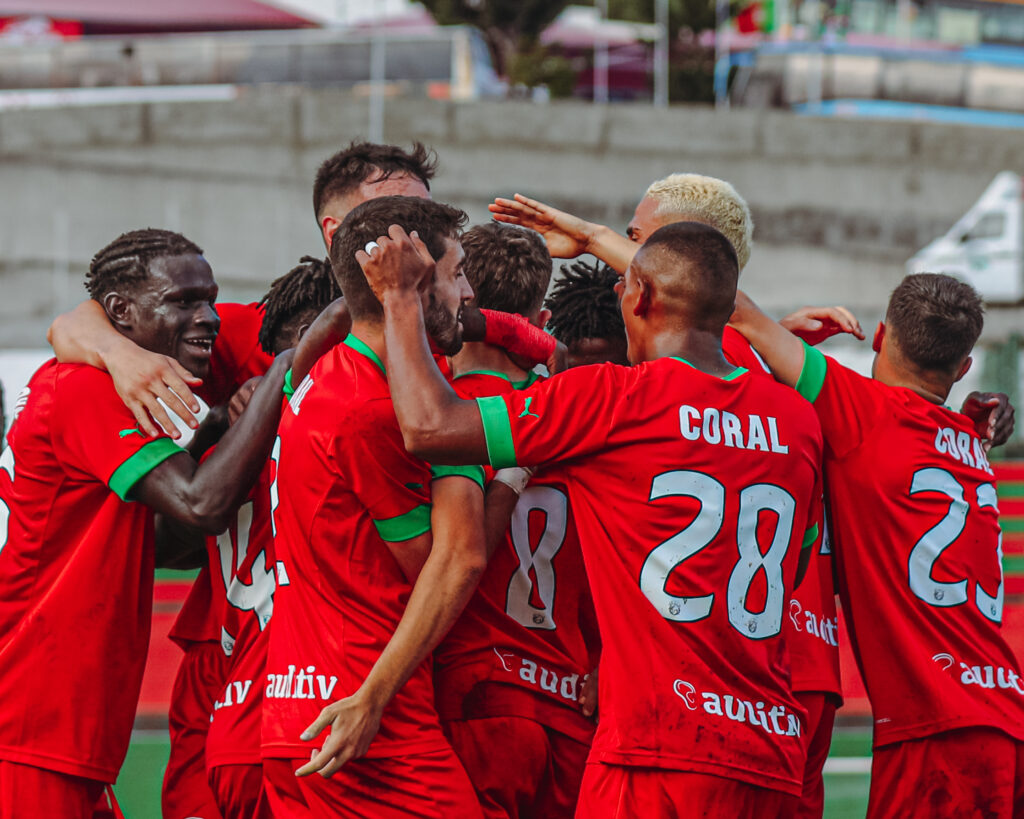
(6, 465)
(555, 507)
(703, 529)
(275, 457)
(258, 595)
(941, 536)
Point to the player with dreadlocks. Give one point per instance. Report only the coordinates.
(76, 555)
(585, 314)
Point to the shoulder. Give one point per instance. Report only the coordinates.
(239, 313)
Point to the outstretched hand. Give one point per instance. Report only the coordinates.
(143, 378)
(354, 722)
(567, 236)
(815, 324)
(992, 414)
(398, 262)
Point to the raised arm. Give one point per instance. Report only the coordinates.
(205, 495)
(436, 424)
(84, 335)
(782, 351)
(450, 573)
(567, 236)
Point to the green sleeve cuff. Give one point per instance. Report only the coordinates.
(812, 376)
(405, 527)
(288, 389)
(810, 536)
(141, 464)
(501, 451)
(474, 473)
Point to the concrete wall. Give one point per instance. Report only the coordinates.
(839, 206)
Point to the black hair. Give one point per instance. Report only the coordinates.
(508, 267)
(433, 221)
(583, 304)
(125, 261)
(348, 169)
(935, 320)
(304, 290)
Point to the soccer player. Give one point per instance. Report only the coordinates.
(76, 554)
(692, 484)
(585, 314)
(377, 554)
(915, 530)
(514, 663)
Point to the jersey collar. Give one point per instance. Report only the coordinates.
(363, 348)
(518, 385)
(730, 377)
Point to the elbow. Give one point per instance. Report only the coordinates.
(424, 440)
(211, 516)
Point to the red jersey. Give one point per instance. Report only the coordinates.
(242, 565)
(347, 485)
(737, 351)
(915, 529)
(76, 574)
(198, 620)
(812, 626)
(527, 624)
(692, 496)
(237, 355)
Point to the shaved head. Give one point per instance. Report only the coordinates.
(692, 271)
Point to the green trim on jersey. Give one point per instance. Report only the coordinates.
(474, 473)
(145, 459)
(734, 374)
(288, 389)
(405, 527)
(810, 536)
(812, 376)
(531, 377)
(501, 450)
(363, 348)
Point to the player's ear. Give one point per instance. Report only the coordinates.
(876, 342)
(964, 368)
(643, 299)
(120, 310)
(543, 317)
(328, 226)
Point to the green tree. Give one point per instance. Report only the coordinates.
(508, 26)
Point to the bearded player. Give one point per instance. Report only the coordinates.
(714, 475)
(76, 551)
(918, 550)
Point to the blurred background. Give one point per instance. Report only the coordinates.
(870, 137)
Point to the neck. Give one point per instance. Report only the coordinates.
(371, 333)
(476, 355)
(928, 385)
(701, 348)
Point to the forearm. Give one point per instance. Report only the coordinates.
(612, 248)
(178, 546)
(499, 505)
(782, 351)
(443, 587)
(436, 424)
(328, 330)
(84, 335)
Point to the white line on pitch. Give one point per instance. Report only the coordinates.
(848, 765)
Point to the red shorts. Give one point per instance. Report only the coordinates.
(26, 790)
(967, 772)
(519, 767)
(199, 679)
(625, 792)
(238, 790)
(821, 717)
(427, 786)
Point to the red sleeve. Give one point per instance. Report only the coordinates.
(847, 403)
(97, 434)
(564, 417)
(237, 355)
(738, 351)
(393, 485)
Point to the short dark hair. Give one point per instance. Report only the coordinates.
(433, 221)
(304, 290)
(508, 267)
(348, 169)
(935, 320)
(124, 263)
(584, 304)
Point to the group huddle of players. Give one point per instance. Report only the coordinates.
(436, 584)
